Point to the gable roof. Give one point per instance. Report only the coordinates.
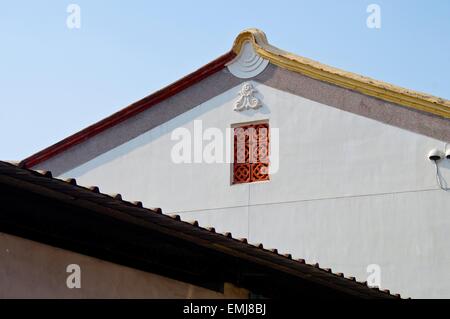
(378, 89)
(348, 80)
(84, 220)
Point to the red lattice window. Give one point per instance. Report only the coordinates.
(251, 153)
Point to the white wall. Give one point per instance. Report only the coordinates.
(350, 191)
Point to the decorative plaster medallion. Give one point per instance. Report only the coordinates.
(246, 99)
(248, 63)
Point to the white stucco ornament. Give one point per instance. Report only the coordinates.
(248, 63)
(247, 100)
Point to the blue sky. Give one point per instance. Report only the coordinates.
(55, 81)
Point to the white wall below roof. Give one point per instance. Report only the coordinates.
(350, 191)
(405, 233)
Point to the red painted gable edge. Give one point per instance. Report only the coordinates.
(129, 111)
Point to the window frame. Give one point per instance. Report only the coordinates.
(242, 124)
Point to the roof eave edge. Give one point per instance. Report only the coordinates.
(378, 89)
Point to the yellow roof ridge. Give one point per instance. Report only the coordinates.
(379, 89)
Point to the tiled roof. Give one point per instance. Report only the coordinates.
(42, 182)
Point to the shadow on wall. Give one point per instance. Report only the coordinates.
(443, 174)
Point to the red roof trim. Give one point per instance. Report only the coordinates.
(129, 111)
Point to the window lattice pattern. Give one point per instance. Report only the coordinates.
(251, 153)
